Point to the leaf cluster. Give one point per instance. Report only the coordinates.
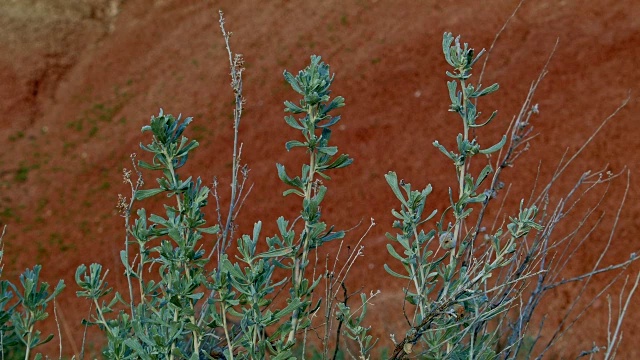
(448, 284)
(21, 309)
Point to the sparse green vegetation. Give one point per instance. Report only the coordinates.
(196, 289)
(18, 135)
(22, 174)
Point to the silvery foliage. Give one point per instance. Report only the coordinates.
(449, 284)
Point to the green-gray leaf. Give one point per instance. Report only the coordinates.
(143, 194)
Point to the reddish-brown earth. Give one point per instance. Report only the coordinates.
(79, 78)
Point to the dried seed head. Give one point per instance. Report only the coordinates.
(126, 176)
(122, 205)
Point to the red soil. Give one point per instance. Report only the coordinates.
(79, 78)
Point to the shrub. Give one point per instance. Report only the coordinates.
(470, 291)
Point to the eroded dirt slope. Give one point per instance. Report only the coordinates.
(78, 79)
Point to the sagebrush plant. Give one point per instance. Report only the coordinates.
(191, 312)
(450, 283)
(21, 309)
(195, 291)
